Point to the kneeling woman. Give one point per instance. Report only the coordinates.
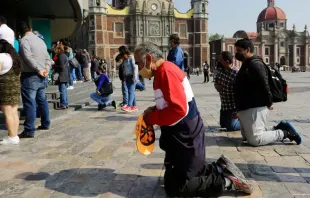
(104, 89)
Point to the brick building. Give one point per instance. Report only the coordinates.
(130, 22)
(273, 41)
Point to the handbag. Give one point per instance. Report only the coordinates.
(74, 62)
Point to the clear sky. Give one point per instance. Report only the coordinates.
(228, 16)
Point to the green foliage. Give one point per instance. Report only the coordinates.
(216, 36)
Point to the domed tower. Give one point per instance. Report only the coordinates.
(271, 17)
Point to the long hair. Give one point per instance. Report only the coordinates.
(6, 47)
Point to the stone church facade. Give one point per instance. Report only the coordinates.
(130, 22)
(273, 41)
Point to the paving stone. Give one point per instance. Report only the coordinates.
(271, 189)
(306, 176)
(306, 157)
(270, 153)
(291, 177)
(252, 156)
(298, 189)
(37, 192)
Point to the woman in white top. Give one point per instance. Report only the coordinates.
(10, 70)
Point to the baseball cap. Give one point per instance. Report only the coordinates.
(145, 135)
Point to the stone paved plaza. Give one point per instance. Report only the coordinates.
(92, 154)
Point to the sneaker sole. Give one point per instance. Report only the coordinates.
(298, 142)
(231, 167)
(242, 185)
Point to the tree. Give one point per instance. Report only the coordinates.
(215, 36)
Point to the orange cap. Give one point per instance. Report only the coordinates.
(145, 135)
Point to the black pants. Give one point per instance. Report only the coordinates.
(206, 76)
(208, 183)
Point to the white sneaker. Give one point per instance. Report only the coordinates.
(70, 88)
(10, 140)
(74, 81)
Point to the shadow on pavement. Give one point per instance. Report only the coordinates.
(260, 172)
(91, 182)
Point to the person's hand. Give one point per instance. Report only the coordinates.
(43, 73)
(134, 80)
(146, 119)
(270, 108)
(98, 93)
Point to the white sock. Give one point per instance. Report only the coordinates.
(228, 183)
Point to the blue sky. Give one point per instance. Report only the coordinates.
(228, 16)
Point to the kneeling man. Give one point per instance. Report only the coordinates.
(183, 132)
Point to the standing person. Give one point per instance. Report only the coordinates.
(72, 76)
(119, 64)
(79, 74)
(88, 61)
(183, 132)
(36, 67)
(254, 100)
(62, 68)
(6, 32)
(225, 84)
(206, 71)
(104, 90)
(85, 66)
(94, 67)
(176, 54)
(10, 70)
(130, 78)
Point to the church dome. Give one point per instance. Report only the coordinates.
(271, 13)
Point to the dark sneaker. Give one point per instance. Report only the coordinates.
(101, 107)
(229, 168)
(24, 135)
(43, 128)
(114, 104)
(289, 131)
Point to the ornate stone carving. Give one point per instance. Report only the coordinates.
(156, 41)
(167, 30)
(141, 29)
(154, 28)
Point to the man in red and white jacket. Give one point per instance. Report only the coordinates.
(182, 128)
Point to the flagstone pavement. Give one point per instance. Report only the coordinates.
(88, 153)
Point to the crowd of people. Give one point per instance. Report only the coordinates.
(245, 95)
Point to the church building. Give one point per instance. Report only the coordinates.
(130, 22)
(273, 40)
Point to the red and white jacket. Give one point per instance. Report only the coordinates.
(173, 96)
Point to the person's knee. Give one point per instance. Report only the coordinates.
(255, 141)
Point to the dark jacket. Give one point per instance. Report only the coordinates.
(94, 65)
(62, 67)
(252, 87)
(121, 72)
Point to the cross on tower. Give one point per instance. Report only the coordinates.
(270, 3)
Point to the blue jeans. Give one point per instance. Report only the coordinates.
(227, 121)
(33, 97)
(131, 86)
(101, 99)
(125, 93)
(79, 73)
(72, 75)
(62, 87)
(93, 75)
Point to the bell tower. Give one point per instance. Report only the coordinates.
(200, 32)
(270, 3)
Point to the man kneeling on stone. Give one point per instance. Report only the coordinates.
(224, 82)
(183, 132)
(254, 100)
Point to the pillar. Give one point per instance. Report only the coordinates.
(294, 54)
(306, 54)
(263, 51)
(276, 52)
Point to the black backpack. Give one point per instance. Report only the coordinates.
(277, 84)
(106, 89)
